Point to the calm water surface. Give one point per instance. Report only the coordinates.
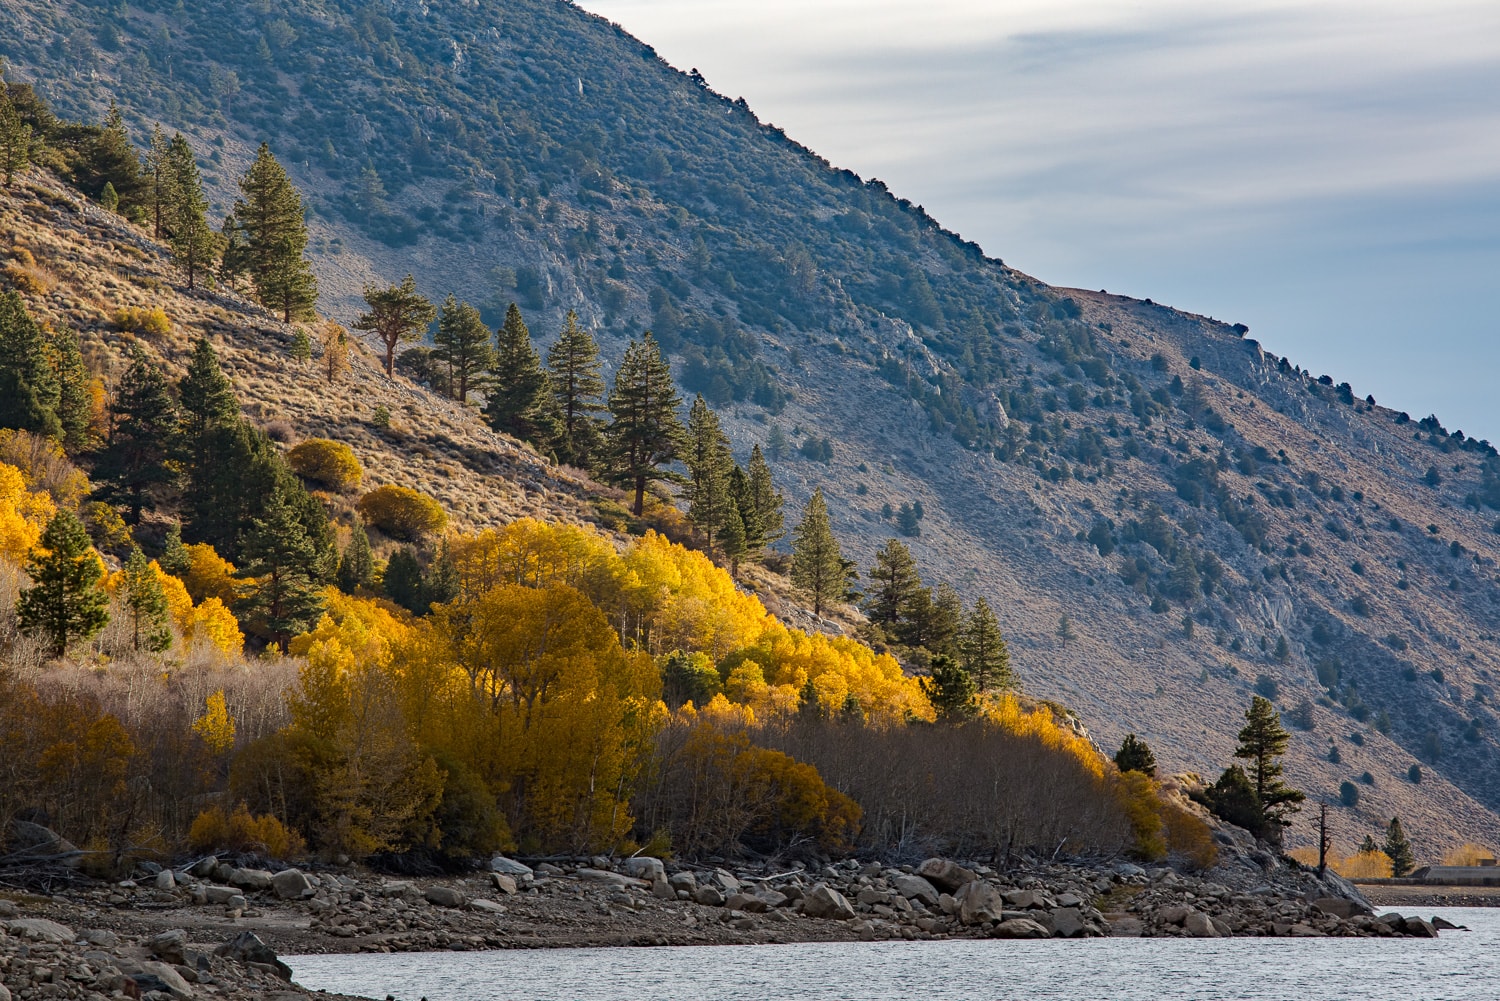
(1459, 966)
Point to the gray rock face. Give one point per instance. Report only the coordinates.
(165, 880)
(445, 896)
(165, 978)
(290, 884)
(1174, 914)
(169, 946)
(683, 881)
(247, 947)
(1199, 925)
(40, 930)
(709, 896)
(503, 882)
(250, 879)
(945, 875)
(979, 903)
(34, 839)
(509, 867)
(746, 902)
(487, 906)
(1067, 922)
(915, 888)
(220, 894)
(1341, 907)
(1019, 928)
(614, 878)
(822, 901)
(649, 869)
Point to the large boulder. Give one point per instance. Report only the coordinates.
(915, 888)
(612, 878)
(40, 930)
(1020, 928)
(945, 875)
(247, 947)
(1067, 922)
(642, 867)
(446, 896)
(510, 867)
(708, 896)
(823, 901)
(169, 946)
(749, 903)
(1199, 925)
(161, 977)
(503, 882)
(34, 839)
(220, 894)
(1342, 907)
(291, 884)
(165, 880)
(250, 879)
(979, 903)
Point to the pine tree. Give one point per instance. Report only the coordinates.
(1135, 756)
(520, 399)
(273, 238)
(144, 425)
(194, 242)
(732, 537)
(818, 568)
(109, 164)
(1368, 846)
(645, 432)
(174, 557)
(777, 444)
(765, 527)
(894, 581)
(147, 603)
(1065, 629)
(236, 470)
(403, 581)
(1398, 848)
(356, 566)
(28, 386)
(206, 395)
(301, 347)
(66, 601)
(947, 620)
(578, 388)
(75, 405)
(951, 690)
(397, 313)
(915, 627)
(158, 181)
(15, 136)
(983, 651)
(463, 344)
(1262, 742)
(283, 598)
(710, 464)
(109, 197)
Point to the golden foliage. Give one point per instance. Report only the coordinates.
(1468, 854)
(214, 831)
(402, 512)
(1363, 865)
(45, 467)
(135, 320)
(330, 463)
(212, 623)
(209, 575)
(24, 514)
(216, 726)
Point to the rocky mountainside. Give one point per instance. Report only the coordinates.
(1210, 519)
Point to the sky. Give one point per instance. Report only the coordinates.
(1327, 173)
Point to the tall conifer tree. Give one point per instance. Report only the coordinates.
(645, 433)
(158, 181)
(895, 582)
(28, 385)
(356, 566)
(194, 242)
(273, 238)
(983, 651)
(147, 604)
(75, 405)
(66, 600)
(520, 398)
(577, 386)
(144, 425)
(397, 313)
(818, 568)
(463, 344)
(766, 502)
(283, 598)
(710, 464)
(15, 136)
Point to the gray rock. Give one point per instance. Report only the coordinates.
(1022, 899)
(1019, 928)
(169, 946)
(4, 993)
(290, 884)
(445, 896)
(641, 867)
(8, 909)
(945, 875)
(683, 881)
(398, 888)
(915, 888)
(40, 930)
(1069, 900)
(746, 902)
(165, 880)
(102, 937)
(34, 839)
(1443, 924)
(709, 896)
(979, 903)
(509, 867)
(1420, 928)
(487, 906)
(1129, 870)
(169, 980)
(1199, 925)
(1174, 914)
(1341, 907)
(612, 878)
(204, 867)
(503, 882)
(662, 890)
(823, 901)
(250, 879)
(727, 883)
(1067, 922)
(220, 894)
(247, 947)
(773, 898)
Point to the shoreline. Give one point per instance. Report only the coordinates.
(214, 930)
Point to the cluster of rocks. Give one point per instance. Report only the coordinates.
(41, 958)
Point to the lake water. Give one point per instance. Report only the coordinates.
(1458, 966)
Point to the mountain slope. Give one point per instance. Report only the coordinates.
(527, 150)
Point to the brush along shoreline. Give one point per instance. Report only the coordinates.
(213, 929)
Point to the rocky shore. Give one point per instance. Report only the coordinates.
(211, 929)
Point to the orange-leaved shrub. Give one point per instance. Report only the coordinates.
(331, 463)
(135, 320)
(214, 830)
(402, 513)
